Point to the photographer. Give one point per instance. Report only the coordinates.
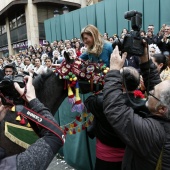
(10, 70)
(109, 147)
(39, 155)
(147, 139)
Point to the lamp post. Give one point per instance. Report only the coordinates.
(65, 9)
(56, 13)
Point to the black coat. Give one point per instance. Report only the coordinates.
(164, 46)
(101, 127)
(144, 137)
(1, 75)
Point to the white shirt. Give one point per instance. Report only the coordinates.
(20, 67)
(39, 70)
(28, 67)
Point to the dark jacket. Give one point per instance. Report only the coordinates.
(152, 40)
(164, 46)
(102, 129)
(39, 155)
(144, 137)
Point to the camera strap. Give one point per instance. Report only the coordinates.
(41, 121)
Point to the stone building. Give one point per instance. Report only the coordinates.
(22, 21)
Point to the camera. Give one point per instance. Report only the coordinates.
(132, 42)
(9, 95)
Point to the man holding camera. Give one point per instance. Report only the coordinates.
(106, 136)
(147, 139)
(39, 155)
(9, 70)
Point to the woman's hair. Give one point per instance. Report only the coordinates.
(56, 51)
(1, 58)
(73, 51)
(143, 32)
(27, 57)
(40, 48)
(79, 45)
(49, 48)
(160, 58)
(38, 59)
(115, 35)
(124, 29)
(31, 46)
(48, 58)
(157, 50)
(97, 47)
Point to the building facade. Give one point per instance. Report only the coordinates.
(22, 21)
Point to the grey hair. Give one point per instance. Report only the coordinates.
(165, 101)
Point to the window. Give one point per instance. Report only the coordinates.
(45, 12)
(2, 29)
(18, 34)
(3, 40)
(17, 20)
(21, 20)
(13, 23)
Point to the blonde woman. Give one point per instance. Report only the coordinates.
(98, 50)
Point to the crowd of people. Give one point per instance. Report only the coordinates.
(128, 135)
(38, 58)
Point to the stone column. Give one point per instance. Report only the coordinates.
(83, 3)
(9, 37)
(32, 23)
(95, 1)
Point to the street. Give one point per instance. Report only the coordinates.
(59, 164)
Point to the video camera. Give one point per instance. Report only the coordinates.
(9, 94)
(132, 42)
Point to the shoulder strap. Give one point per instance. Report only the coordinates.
(41, 120)
(159, 162)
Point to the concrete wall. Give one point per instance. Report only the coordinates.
(4, 3)
(32, 23)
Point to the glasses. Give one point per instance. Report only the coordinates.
(151, 94)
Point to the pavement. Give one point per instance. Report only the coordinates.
(59, 164)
